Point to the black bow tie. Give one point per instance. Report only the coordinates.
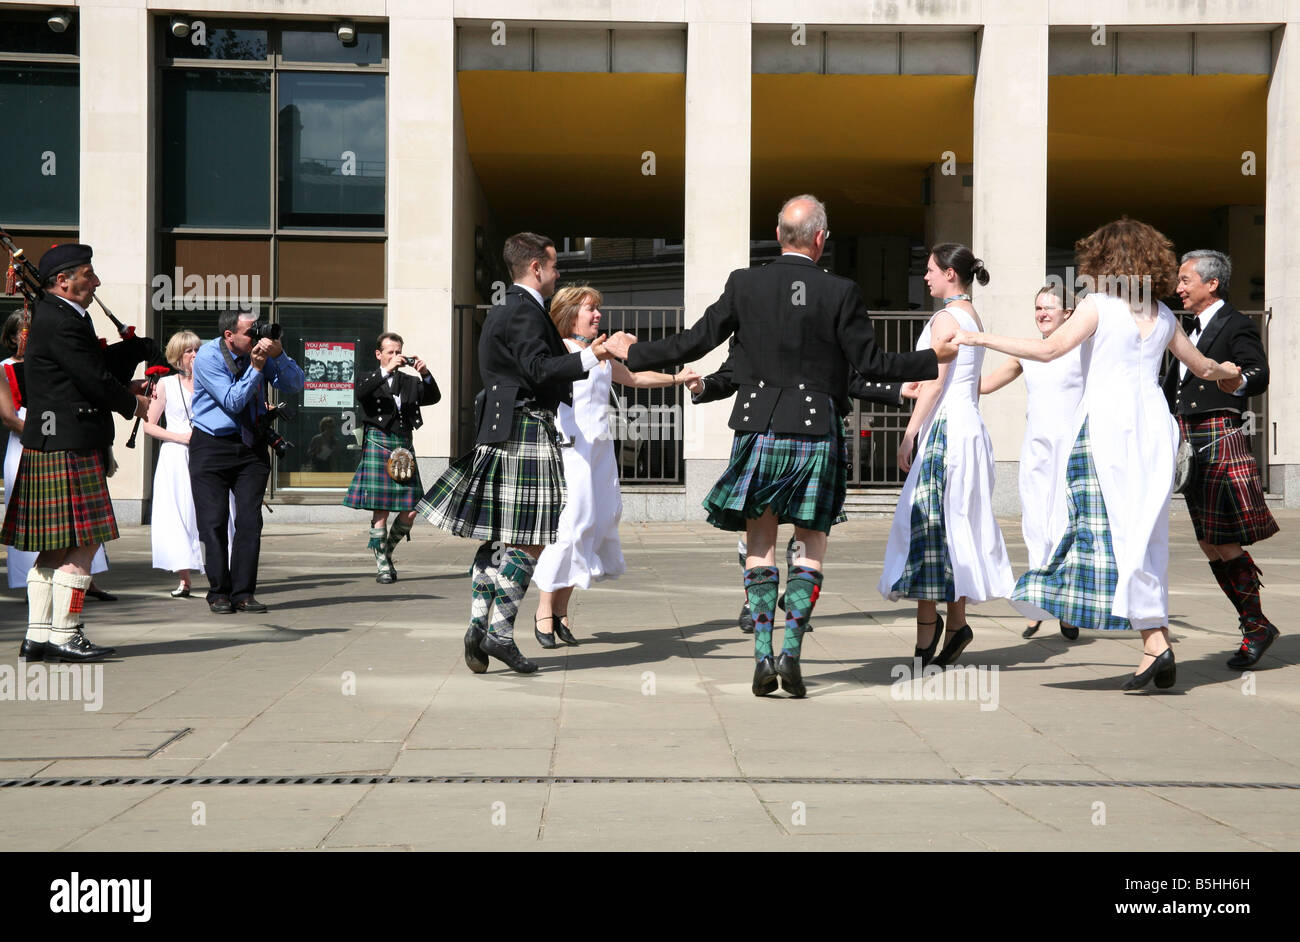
(1191, 324)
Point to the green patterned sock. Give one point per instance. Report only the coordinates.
(760, 589)
(511, 584)
(802, 587)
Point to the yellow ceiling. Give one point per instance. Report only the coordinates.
(561, 152)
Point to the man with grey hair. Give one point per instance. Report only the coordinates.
(799, 332)
(1224, 498)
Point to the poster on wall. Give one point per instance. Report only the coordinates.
(329, 369)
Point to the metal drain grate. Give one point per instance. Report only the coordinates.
(181, 780)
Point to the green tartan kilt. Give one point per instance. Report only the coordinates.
(801, 478)
(372, 488)
(511, 491)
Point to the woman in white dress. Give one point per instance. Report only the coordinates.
(1053, 391)
(587, 547)
(13, 413)
(173, 529)
(945, 544)
(1109, 570)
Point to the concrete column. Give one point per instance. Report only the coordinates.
(1282, 261)
(717, 202)
(117, 196)
(422, 130)
(1009, 224)
(948, 217)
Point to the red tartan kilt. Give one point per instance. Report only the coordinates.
(1225, 499)
(60, 500)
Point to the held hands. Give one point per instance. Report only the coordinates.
(696, 386)
(689, 378)
(617, 346)
(946, 350)
(1228, 376)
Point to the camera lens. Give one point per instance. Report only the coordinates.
(269, 331)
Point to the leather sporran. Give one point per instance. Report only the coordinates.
(1184, 466)
(400, 465)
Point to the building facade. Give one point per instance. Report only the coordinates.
(353, 167)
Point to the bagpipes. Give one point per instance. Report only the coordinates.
(151, 376)
(24, 277)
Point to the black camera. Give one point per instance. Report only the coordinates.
(266, 428)
(268, 331)
(410, 358)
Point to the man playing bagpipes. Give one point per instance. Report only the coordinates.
(60, 508)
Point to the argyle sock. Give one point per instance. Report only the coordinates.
(482, 575)
(40, 603)
(511, 583)
(396, 533)
(378, 536)
(802, 587)
(1220, 570)
(69, 594)
(1244, 576)
(760, 588)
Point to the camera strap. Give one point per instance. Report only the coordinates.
(230, 361)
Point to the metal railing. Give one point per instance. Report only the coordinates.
(647, 425)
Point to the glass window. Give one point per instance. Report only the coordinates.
(30, 33)
(322, 45)
(216, 135)
(334, 345)
(40, 177)
(213, 41)
(235, 272)
(332, 150)
(319, 268)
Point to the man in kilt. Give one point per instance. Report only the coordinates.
(391, 401)
(1224, 498)
(799, 331)
(509, 491)
(60, 508)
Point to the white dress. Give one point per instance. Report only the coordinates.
(587, 547)
(1053, 391)
(174, 530)
(973, 548)
(19, 562)
(1133, 440)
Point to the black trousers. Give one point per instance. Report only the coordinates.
(221, 466)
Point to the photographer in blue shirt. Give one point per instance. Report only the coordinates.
(228, 450)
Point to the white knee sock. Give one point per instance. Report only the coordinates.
(40, 603)
(69, 596)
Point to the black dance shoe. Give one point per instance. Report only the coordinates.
(475, 659)
(787, 668)
(507, 653)
(562, 630)
(1031, 630)
(953, 647)
(32, 650)
(1163, 664)
(1253, 646)
(927, 654)
(78, 648)
(1070, 632)
(545, 639)
(765, 678)
(746, 620)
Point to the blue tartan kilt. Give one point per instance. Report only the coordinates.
(1077, 585)
(928, 571)
(511, 491)
(371, 487)
(800, 478)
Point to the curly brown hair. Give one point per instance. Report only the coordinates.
(1129, 250)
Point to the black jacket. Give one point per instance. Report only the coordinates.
(71, 394)
(521, 357)
(1230, 336)
(380, 408)
(799, 330)
(721, 385)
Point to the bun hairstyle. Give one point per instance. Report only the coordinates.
(962, 260)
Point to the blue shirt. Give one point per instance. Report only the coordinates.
(219, 398)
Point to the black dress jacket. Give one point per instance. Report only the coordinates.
(380, 408)
(799, 330)
(722, 385)
(1230, 336)
(521, 358)
(71, 394)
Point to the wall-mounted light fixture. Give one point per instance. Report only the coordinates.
(58, 22)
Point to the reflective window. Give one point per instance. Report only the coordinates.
(40, 176)
(322, 45)
(31, 33)
(331, 139)
(216, 133)
(212, 41)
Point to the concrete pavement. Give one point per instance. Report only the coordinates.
(1037, 748)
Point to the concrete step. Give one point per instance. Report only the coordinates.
(871, 501)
